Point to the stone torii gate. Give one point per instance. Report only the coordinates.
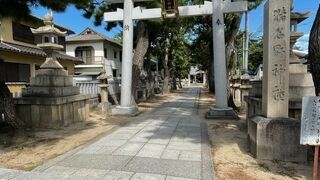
(216, 8)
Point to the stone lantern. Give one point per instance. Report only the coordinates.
(51, 79)
(51, 100)
(49, 36)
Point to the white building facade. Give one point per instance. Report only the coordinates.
(99, 54)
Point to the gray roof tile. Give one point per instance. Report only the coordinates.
(4, 46)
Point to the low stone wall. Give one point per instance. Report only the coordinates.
(53, 112)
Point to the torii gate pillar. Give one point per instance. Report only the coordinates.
(221, 109)
(127, 107)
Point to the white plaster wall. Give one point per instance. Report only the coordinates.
(98, 48)
(110, 57)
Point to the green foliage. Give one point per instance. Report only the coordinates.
(255, 53)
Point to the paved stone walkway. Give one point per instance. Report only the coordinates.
(169, 143)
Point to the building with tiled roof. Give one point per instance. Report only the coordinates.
(98, 52)
(19, 55)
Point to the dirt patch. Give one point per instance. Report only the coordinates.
(25, 150)
(231, 157)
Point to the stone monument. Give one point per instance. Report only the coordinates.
(51, 100)
(272, 135)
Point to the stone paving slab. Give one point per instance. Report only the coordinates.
(95, 161)
(186, 169)
(169, 143)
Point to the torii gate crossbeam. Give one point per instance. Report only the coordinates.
(216, 8)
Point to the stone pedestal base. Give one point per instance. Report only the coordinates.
(125, 111)
(222, 114)
(46, 112)
(275, 139)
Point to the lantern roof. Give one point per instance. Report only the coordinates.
(48, 27)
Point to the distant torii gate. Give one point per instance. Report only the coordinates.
(216, 8)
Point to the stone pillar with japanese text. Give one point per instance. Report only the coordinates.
(275, 97)
(273, 135)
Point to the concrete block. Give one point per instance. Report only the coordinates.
(146, 176)
(186, 169)
(118, 175)
(301, 80)
(225, 114)
(170, 154)
(299, 92)
(151, 150)
(53, 72)
(34, 91)
(298, 69)
(129, 149)
(275, 139)
(91, 172)
(51, 81)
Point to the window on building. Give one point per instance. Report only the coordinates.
(105, 52)
(114, 73)
(86, 53)
(14, 72)
(22, 33)
(46, 39)
(114, 54)
(120, 56)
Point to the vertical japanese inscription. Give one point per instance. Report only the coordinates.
(279, 51)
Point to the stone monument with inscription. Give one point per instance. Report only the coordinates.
(51, 100)
(273, 135)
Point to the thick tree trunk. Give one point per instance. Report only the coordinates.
(314, 53)
(165, 88)
(7, 107)
(139, 53)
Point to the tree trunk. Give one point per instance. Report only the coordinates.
(234, 28)
(180, 85)
(174, 77)
(139, 53)
(314, 53)
(211, 71)
(165, 88)
(7, 107)
(231, 36)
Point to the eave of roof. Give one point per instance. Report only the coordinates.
(90, 37)
(10, 47)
